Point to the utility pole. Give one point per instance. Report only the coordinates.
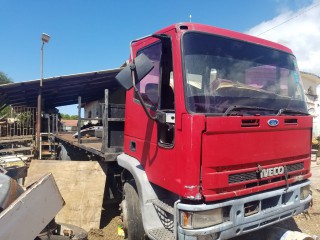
(45, 38)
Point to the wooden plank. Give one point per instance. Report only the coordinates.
(89, 119)
(81, 184)
(18, 149)
(10, 139)
(46, 152)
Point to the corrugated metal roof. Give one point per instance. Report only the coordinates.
(60, 91)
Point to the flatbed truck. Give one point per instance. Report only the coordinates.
(209, 138)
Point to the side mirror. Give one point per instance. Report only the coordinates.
(142, 66)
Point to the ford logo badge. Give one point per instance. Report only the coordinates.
(273, 122)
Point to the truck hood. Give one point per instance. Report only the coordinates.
(243, 155)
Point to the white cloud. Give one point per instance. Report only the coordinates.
(301, 35)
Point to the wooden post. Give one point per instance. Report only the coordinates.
(49, 133)
(79, 119)
(49, 124)
(105, 116)
(57, 127)
(53, 124)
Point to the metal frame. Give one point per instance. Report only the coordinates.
(21, 126)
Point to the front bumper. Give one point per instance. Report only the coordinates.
(274, 206)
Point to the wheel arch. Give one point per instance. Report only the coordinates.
(146, 193)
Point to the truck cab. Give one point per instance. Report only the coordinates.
(217, 135)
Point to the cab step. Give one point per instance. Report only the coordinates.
(161, 233)
(165, 213)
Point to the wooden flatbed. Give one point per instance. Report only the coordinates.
(91, 145)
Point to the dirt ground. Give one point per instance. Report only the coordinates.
(307, 223)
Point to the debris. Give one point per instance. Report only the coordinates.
(67, 232)
(31, 211)
(285, 234)
(294, 235)
(120, 231)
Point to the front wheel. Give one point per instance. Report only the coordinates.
(131, 212)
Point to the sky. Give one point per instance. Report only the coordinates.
(89, 36)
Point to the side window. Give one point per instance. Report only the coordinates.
(149, 85)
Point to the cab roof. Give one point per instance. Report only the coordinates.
(185, 27)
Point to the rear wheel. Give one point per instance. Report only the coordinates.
(131, 212)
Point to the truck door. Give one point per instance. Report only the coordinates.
(151, 142)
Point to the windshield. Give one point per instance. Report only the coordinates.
(222, 74)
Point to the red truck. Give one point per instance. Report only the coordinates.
(217, 136)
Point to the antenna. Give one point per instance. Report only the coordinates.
(190, 16)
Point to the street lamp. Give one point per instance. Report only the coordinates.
(45, 38)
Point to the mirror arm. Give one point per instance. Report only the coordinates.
(133, 73)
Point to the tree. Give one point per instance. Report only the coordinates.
(4, 79)
(69, 117)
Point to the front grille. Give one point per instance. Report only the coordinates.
(248, 176)
(241, 177)
(295, 167)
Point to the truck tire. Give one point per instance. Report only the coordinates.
(131, 212)
(63, 153)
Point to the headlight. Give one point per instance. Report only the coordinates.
(193, 220)
(304, 192)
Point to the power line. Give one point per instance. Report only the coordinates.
(303, 12)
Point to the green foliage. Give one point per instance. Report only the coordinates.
(4, 79)
(4, 113)
(69, 117)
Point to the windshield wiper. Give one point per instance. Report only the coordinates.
(238, 107)
(292, 111)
